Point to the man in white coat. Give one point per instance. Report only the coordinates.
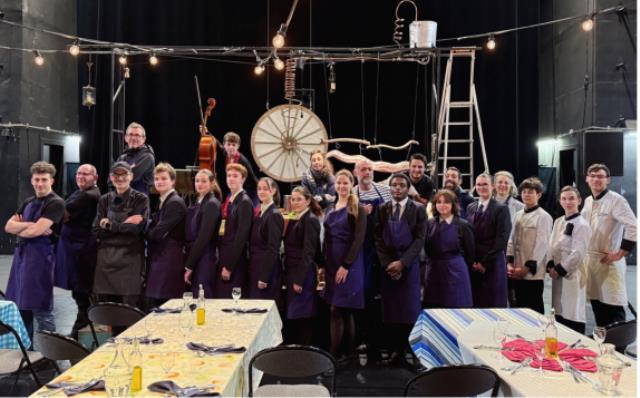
(569, 239)
(613, 226)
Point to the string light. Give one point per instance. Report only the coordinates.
(39, 59)
(587, 24)
(278, 39)
(278, 63)
(74, 49)
(122, 59)
(258, 69)
(153, 60)
(491, 43)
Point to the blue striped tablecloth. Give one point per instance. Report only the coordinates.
(434, 335)
(10, 315)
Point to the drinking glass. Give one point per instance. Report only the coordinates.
(499, 336)
(599, 334)
(187, 299)
(540, 354)
(236, 293)
(168, 360)
(186, 321)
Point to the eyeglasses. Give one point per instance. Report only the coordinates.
(598, 176)
(119, 175)
(135, 135)
(83, 174)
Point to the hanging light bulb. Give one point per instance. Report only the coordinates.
(491, 43)
(332, 79)
(278, 63)
(39, 59)
(74, 49)
(258, 70)
(153, 60)
(122, 59)
(278, 40)
(587, 24)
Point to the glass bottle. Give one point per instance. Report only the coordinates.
(117, 377)
(609, 370)
(551, 337)
(200, 311)
(135, 361)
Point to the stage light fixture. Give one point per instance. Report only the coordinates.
(587, 24)
(491, 43)
(74, 49)
(153, 59)
(38, 59)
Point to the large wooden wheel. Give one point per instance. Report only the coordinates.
(283, 139)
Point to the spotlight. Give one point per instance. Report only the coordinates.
(74, 49)
(278, 64)
(153, 60)
(122, 59)
(587, 24)
(39, 59)
(258, 69)
(491, 43)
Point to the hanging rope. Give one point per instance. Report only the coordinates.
(326, 93)
(362, 103)
(415, 108)
(266, 102)
(426, 109)
(375, 120)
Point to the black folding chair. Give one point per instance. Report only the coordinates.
(2, 295)
(12, 361)
(291, 362)
(114, 315)
(57, 347)
(454, 381)
(621, 334)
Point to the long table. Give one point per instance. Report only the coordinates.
(228, 372)
(448, 337)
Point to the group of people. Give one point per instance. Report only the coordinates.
(383, 250)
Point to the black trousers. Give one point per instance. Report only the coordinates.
(83, 301)
(529, 294)
(577, 326)
(606, 314)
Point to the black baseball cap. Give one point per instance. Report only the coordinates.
(121, 165)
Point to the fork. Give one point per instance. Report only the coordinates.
(524, 363)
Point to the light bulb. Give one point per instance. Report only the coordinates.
(122, 59)
(278, 64)
(258, 69)
(491, 43)
(153, 60)
(39, 59)
(74, 49)
(278, 40)
(587, 24)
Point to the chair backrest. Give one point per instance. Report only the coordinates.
(452, 381)
(293, 361)
(621, 334)
(2, 295)
(114, 314)
(58, 347)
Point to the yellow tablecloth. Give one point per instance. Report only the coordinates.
(228, 372)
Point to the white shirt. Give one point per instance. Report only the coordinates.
(484, 204)
(530, 240)
(264, 207)
(403, 205)
(163, 197)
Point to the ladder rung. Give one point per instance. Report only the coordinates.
(457, 141)
(458, 158)
(458, 123)
(461, 104)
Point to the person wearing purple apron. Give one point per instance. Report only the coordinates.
(344, 230)
(368, 321)
(119, 226)
(202, 225)
(140, 157)
(450, 252)
(235, 233)
(399, 236)
(265, 266)
(30, 283)
(491, 228)
(301, 254)
(165, 237)
(76, 248)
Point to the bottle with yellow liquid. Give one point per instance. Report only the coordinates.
(200, 311)
(551, 337)
(135, 361)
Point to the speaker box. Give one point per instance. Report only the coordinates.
(605, 147)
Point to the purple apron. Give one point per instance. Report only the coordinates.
(489, 289)
(258, 250)
(299, 305)
(401, 298)
(30, 283)
(165, 274)
(370, 256)
(239, 273)
(75, 259)
(338, 238)
(204, 273)
(447, 283)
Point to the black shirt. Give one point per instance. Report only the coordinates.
(52, 208)
(424, 187)
(82, 207)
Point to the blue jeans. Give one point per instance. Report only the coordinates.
(45, 320)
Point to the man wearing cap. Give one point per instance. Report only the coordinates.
(119, 224)
(139, 156)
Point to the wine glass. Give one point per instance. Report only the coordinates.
(236, 293)
(599, 334)
(187, 299)
(149, 324)
(540, 353)
(499, 336)
(186, 321)
(168, 360)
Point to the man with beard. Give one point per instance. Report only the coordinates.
(76, 249)
(140, 157)
(452, 181)
(420, 182)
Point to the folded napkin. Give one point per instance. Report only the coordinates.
(580, 353)
(71, 389)
(223, 349)
(519, 349)
(246, 310)
(169, 387)
(144, 340)
(159, 310)
(584, 365)
(547, 364)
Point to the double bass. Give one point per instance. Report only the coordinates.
(207, 145)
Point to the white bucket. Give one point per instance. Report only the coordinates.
(422, 34)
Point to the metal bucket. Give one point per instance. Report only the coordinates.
(422, 34)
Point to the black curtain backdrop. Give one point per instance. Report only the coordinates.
(163, 98)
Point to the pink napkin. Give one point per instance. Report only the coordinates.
(518, 350)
